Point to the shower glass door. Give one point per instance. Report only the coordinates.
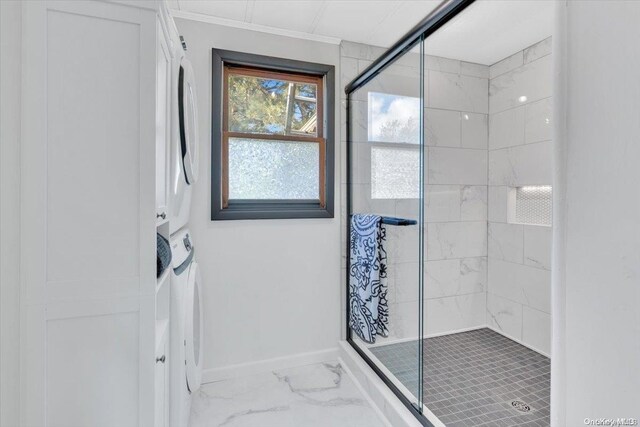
(386, 179)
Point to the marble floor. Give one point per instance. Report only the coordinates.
(321, 395)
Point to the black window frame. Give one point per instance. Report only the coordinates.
(269, 209)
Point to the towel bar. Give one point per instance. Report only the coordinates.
(389, 220)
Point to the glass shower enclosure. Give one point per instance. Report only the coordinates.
(386, 183)
(449, 211)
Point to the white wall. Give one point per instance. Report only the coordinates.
(596, 347)
(271, 287)
(519, 284)
(10, 78)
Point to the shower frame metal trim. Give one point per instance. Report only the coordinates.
(442, 14)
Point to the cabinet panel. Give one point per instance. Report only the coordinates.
(92, 371)
(93, 137)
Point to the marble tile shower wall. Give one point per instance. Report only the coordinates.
(456, 192)
(519, 279)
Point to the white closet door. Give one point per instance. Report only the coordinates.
(88, 227)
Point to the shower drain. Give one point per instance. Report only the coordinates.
(520, 406)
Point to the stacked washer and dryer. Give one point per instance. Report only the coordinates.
(186, 304)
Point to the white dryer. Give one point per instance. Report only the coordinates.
(184, 139)
(186, 328)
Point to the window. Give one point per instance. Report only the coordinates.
(272, 141)
(394, 134)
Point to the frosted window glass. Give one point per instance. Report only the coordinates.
(265, 169)
(395, 173)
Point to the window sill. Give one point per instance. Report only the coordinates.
(270, 210)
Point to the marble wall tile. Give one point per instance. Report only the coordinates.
(408, 208)
(537, 246)
(538, 125)
(437, 63)
(523, 165)
(532, 80)
(475, 70)
(538, 50)
(536, 329)
(442, 128)
(451, 277)
(509, 63)
(473, 204)
(407, 244)
(473, 274)
(457, 92)
(442, 278)
(456, 166)
(395, 80)
(446, 240)
(506, 128)
(474, 131)
(403, 320)
(498, 197)
(360, 121)
(360, 50)
(504, 316)
(520, 283)
(454, 313)
(506, 242)
(361, 201)
(348, 71)
(363, 64)
(361, 163)
(442, 203)
(407, 281)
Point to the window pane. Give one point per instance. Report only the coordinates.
(261, 169)
(394, 118)
(272, 106)
(395, 173)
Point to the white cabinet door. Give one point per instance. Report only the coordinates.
(88, 214)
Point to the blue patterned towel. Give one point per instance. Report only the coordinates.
(367, 278)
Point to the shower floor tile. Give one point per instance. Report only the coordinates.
(475, 378)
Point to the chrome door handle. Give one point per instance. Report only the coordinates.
(163, 215)
(160, 359)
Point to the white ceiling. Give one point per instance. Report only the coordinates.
(488, 31)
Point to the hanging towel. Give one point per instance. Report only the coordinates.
(369, 312)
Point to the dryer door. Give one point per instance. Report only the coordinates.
(188, 115)
(193, 329)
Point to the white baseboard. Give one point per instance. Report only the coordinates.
(267, 365)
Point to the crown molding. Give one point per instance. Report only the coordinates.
(254, 27)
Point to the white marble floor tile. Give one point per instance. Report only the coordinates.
(308, 396)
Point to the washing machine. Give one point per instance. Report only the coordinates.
(186, 328)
